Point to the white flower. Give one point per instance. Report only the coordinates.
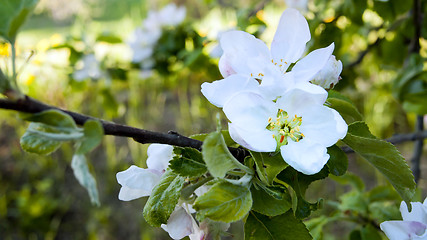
(297, 124)
(89, 68)
(139, 182)
(413, 226)
(142, 43)
(144, 39)
(301, 5)
(181, 224)
(329, 75)
(171, 15)
(247, 63)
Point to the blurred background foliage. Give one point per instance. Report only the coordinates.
(40, 198)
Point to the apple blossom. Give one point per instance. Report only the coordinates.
(138, 182)
(413, 226)
(297, 124)
(247, 59)
(329, 75)
(89, 68)
(144, 38)
(301, 5)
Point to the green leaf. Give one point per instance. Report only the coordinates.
(163, 199)
(317, 225)
(382, 193)
(300, 183)
(85, 178)
(346, 109)
(227, 138)
(383, 156)
(268, 165)
(282, 227)
(54, 118)
(188, 162)
(218, 158)
(351, 179)
(13, 14)
(353, 201)
(224, 202)
(368, 232)
(338, 161)
(266, 204)
(4, 83)
(407, 75)
(109, 38)
(34, 142)
(93, 133)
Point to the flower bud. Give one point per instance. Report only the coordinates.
(329, 75)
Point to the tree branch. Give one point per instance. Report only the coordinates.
(30, 105)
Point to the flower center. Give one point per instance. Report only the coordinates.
(257, 77)
(285, 126)
(282, 65)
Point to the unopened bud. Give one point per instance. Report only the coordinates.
(329, 75)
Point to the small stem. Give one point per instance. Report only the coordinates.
(12, 45)
(418, 150)
(189, 190)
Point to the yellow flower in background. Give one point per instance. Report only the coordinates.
(4, 49)
(29, 79)
(56, 39)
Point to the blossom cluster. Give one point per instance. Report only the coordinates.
(274, 99)
(139, 182)
(144, 38)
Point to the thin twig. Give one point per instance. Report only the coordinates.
(30, 105)
(419, 125)
(363, 53)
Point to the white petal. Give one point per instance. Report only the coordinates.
(323, 125)
(260, 141)
(418, 213)
(291, 37)
(249, 110)
(329, 75)
(136, 180)
(302, 96)
(306, 68)
(128, 194)
(218, 92)
(159, 156)
(305, 156)
(404, 230)
(180, 224)
(224, 65)
(238, 47)
(274, 83)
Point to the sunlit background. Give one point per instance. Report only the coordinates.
(39, 196)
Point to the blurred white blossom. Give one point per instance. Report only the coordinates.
(301, 5)
(88, 67)
(143, 40)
